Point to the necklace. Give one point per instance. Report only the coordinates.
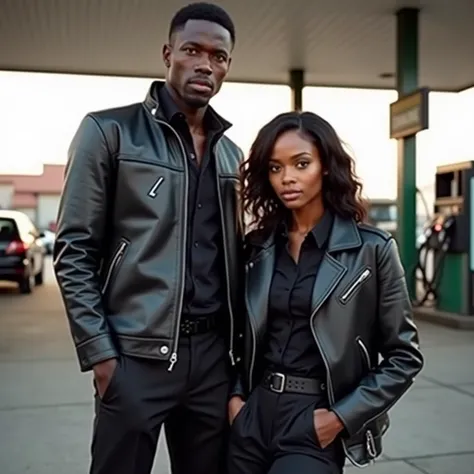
(302, 234)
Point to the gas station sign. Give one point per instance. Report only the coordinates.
(409, 114)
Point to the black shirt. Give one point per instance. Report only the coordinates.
(291, 346)
(204, 293)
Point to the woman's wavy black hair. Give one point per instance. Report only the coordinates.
(341, 187)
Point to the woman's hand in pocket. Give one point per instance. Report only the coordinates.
(235, 405)
(327, 426)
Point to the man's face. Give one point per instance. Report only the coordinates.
(198, 60)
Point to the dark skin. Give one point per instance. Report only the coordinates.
(296, 175)
(197, 60)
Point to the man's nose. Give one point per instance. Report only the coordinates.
(204, 65)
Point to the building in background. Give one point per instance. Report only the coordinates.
(35, 195)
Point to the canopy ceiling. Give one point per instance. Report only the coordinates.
(337, 42)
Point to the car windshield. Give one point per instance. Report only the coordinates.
(7, 230)
(383, 213)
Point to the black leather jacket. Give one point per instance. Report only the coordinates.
(120, 248)
(360, 311)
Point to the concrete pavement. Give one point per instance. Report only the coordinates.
(46, 404)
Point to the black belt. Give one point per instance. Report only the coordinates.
(282, 383)
(199, 325)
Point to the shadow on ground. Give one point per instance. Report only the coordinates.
(46, 404)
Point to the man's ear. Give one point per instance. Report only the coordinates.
(166, 55)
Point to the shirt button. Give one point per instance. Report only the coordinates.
(196, 244)
(199, 206)
(164, 350)
(193, 156)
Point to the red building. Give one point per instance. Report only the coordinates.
(36, 195)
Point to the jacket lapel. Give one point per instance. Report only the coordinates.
(330, 273)
(344, 236)
(258, 281)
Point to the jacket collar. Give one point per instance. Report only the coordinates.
(152, 105)
(344, 235)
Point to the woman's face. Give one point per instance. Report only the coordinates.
(295, 171)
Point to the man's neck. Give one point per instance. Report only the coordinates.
(194, 117)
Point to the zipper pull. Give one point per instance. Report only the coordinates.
(231, 355)
(173, 360)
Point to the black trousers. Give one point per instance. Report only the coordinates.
(191, 402)
(274, 434)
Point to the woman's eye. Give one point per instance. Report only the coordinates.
(302, 164)
(274, 169)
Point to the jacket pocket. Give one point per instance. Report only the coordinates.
(115, 264)
(355, 285)
(152, 192)
(365, 352)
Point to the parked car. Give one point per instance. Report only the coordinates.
(48, 240)
(22, 253)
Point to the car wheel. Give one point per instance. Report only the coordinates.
(39, 279)
(26, 285)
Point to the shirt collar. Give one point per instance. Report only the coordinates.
(212, 121)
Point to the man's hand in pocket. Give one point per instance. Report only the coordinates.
(235, 405)
(103, 372)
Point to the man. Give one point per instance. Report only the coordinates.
(147, 258)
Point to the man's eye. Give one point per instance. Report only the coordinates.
(191, 50)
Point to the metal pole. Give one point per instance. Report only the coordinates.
(407, 82)
(297, 84)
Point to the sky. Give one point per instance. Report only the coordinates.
(39, 114)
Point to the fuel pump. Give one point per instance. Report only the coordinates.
(437, 240)
(446, 257)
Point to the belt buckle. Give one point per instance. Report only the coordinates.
(282, 384)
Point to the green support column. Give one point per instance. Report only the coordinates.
(407, 82)
(297, 84)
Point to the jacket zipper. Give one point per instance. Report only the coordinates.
(365, 352)
(331, 396)
(369, 437)
(118, 255)
(370, 446)
(154, 188)
(174, 355)
(254, 344)
(252, 360)
(364, 275)
(226, 261)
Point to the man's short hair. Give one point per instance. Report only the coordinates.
(202, 11)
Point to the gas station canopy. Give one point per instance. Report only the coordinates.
(350, 43)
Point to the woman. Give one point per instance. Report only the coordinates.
(325, 296)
